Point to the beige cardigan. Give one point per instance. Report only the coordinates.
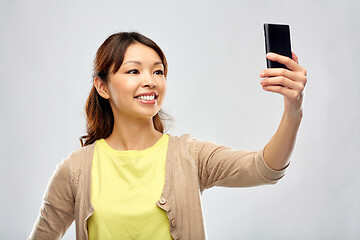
(191, 166)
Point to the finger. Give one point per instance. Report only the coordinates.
(286, 92)
(289, 63)
(282, 81)
(294, 57)
(275, 72)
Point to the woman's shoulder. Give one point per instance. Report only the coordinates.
(187, 140)
(74, 165)
(183, 138)
(79, 158)
(195, 145)
(185, 143)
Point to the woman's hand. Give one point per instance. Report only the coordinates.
(289, 83)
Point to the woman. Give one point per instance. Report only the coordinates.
(132, 181)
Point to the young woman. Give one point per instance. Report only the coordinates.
(130, 180)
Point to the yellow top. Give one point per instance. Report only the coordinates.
(125, 185)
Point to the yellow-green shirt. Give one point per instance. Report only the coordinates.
(125, 185)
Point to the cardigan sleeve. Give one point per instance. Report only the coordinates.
(57, 210)
(222, 166)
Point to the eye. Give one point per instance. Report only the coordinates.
(159, 72)
(133, 71)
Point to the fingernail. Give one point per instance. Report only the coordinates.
(262, 74)
(270, 54)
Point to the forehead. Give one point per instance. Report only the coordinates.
(140, 52)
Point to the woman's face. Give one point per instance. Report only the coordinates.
(138, 88)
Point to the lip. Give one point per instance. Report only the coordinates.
(147, 102)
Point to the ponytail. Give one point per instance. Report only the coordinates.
(100, 118)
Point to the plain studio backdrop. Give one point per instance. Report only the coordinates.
(215, 51)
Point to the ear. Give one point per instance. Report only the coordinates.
(101, 88)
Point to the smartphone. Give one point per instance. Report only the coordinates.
(277, 40)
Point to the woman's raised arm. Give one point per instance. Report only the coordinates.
(289, 83)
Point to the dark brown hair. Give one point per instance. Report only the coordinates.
(99, 115)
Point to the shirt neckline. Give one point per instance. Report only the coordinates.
(103, 144)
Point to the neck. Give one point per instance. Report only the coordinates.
(133, 134)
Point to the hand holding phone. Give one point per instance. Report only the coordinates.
(289, 83)
(277, 40)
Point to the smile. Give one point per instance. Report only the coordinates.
(146, 98)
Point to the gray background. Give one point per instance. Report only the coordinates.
(215, 51)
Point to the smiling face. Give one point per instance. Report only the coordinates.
(138, 88)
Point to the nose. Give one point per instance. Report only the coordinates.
(148, 81)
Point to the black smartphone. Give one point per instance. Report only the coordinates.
(277, 40)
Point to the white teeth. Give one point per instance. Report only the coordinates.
(148, 98)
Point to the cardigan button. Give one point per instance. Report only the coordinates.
(173, 223)
(162, 201)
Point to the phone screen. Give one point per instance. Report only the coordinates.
(277, 40)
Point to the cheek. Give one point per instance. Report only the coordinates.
(120, 90)
(163, 86)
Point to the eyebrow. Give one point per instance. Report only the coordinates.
(139, 63)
